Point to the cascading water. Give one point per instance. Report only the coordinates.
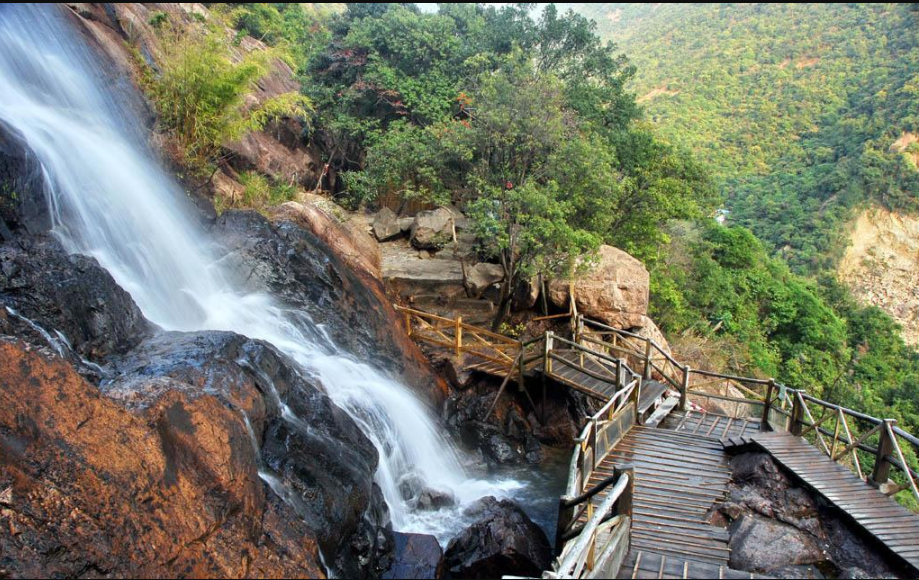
(110, 200)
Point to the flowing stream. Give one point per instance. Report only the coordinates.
(112, 201)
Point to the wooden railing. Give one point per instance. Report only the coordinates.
(596, 548)
(739, 393)
(870, 446)
(460, 337)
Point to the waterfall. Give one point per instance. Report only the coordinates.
(111, 200)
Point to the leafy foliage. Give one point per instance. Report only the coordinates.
(793, 106)
(199, 92)
(721, 283)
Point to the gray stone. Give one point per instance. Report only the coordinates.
(481, 277)
(386, 225)
(432, 229)
(754, 542)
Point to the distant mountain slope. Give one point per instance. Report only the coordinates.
(804, 110)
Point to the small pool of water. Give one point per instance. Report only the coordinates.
(543, 485)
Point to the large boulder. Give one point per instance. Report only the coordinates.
(88, 487)
(483, 276)
(501, 541)
(416, 556)
(754, 540)
(615, 291)
(386, 225)
(433, 229)
(70, 295)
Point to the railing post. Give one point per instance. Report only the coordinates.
(797, 414)
(459, 335)
(684, 389)
(767, 406)
(624, 504)
(646, 373)
(408, 322)
(565, 519)
(592, 443)
(881, 473)
(579, 329)
(547, 360)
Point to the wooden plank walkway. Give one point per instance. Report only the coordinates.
(678, 477)
(711, 425)
(639, 564)
(882, 517)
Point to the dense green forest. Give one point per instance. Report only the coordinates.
(529, 124)
(794, 107)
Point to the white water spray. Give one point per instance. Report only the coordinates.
(110, 200)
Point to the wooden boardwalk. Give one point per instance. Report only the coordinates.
(711, 425)
(641, 564)
(639, 497)
(678, 478)
(883, 518)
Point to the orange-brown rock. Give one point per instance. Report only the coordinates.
(89, 488)
(343, 236)
(615, 291)
(118, 28)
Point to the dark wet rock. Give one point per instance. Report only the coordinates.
(433, 499)
(321, 457)
(94, 489)
(769, 509)
(23, 204)
(760, 544)
(501, 541)
(304, 273)
(70, 294)
(416, 556)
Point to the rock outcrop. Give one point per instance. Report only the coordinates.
(22, 192)
(501, 541)
(90, 488)
(881, 266)
(278, 150)
(767, 509)
(71, 296)
(295, 265)
(433, 229)
(615, 291)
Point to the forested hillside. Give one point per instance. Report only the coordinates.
(803, 111)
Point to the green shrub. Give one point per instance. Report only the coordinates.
(200, 92)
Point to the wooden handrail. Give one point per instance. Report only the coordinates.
(511, 352)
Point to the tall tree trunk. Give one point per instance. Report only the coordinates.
(504, 305)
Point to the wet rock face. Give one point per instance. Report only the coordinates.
(71, 294)
(502, 541)
(416, 556)
(310, 446)
(514, 432)
(782, 530)
(299, 268)
(88, 487)
(22, 193)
